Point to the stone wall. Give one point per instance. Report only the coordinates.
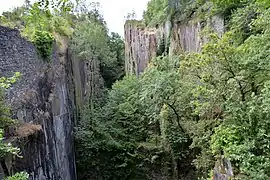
(44, 95)
(140, 47)
(188, 36)
(142, 44)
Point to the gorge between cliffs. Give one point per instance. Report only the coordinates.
(183, 95)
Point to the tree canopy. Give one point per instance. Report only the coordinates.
(184, 113)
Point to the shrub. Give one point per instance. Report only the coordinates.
(43, 41)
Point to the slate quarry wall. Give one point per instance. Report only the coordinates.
(142, 44)
(44, 95)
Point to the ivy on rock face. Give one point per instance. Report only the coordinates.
(43, 41)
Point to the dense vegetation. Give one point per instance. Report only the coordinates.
(182, 116)
(47, 22)
(222, 95)
(187, 113)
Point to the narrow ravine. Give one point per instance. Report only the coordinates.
(183, 95)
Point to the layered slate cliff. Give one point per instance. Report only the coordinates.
(171, 38)
(43, 96)
(140, 46)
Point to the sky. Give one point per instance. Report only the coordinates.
(113, 11)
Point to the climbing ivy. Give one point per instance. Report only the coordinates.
(43, 41)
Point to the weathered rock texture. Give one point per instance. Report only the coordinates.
(142, 44)
(223, 169)
(44, 95)
(140, 47)
(88, 81)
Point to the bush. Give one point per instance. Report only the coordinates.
(43, 41)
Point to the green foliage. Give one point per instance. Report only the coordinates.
(219, 95)
(19, 176)
(182, 112)
(230, 93)
(125, 131)
(43, 41)
(108, 150)
(185, 10)
(5, 120)
(156, 13)
(37, 22)
(114, 71)
(14, 18)
(91, 42)
(7, 82)
(227, 5)
(41, 22)
(7, 148)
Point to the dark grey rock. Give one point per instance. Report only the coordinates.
(43, 95)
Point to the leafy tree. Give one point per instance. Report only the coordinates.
(128, 127)
(90, 41)
(116, 70)
(156, 12)
(230, 79)
(41, 22)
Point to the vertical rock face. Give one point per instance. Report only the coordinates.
(142, 44)
(140, 47)
(44, 95)
(223, 169)
(88, 81)
(188, 36)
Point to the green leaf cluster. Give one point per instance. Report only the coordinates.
(7, 148)
(230, 91)
(43, 41)
(91, 42)
(156, 13)
(41, 22)
(5, 120)
(19, 176)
